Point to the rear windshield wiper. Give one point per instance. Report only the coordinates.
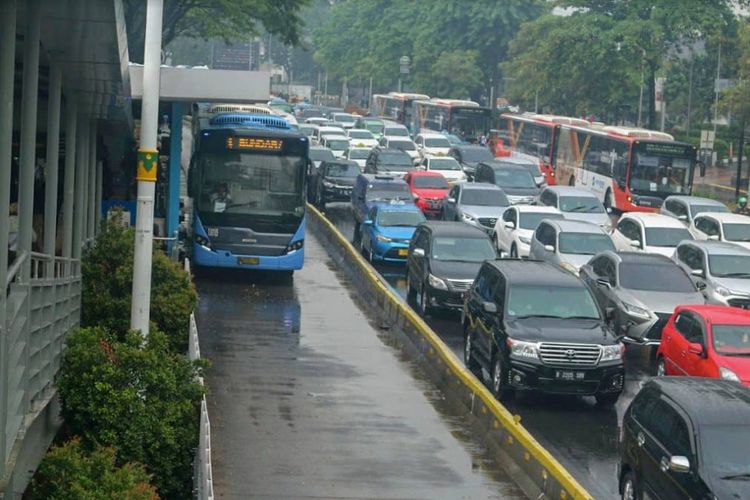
(744, 475)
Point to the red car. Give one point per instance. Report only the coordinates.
(429, 190)
(706, 341)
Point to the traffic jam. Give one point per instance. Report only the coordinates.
(559, 248)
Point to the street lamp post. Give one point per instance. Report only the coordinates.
(404, 64)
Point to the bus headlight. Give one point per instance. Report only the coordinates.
(293, 247)
(202, 240)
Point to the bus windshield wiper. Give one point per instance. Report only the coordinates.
(245, 204)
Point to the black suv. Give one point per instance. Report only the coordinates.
(333, 182)
(469, 157)
(389, 162)
(685, 437)
(443, 261)
(534, 326)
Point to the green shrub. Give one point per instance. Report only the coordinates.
(107, 288)
(143, 400)
(68, 472)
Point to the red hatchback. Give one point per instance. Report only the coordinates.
(706, 341)
(429, 190)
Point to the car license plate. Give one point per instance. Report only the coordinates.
(252, 261)
(403, 252)
(568, 375)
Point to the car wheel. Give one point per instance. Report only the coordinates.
(411, 293)
(607, 400)
(661, 367)
(629, 487)
(469, 360)
(513, 252)
(572, 181)
(500, 388)
(424, 302)
(357, 235)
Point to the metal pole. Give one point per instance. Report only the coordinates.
(98, 197)
(7, 74)
(53, 155)
(71, 122)
(91, 198)
(640, 97)
(663, 111)
(369, 98)
(147, 164)
(82, 135)
(716, 88)
(739, 160)
(690, 95)
(27, 156)
(175, 157)
(399, 83)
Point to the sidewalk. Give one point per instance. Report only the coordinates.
(718, 183)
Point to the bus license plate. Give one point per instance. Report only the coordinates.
(403, 252)
(567, 375)
(250, 261)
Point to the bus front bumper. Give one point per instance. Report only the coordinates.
(204, 256)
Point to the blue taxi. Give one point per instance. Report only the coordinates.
(387, 231)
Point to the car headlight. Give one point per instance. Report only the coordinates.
(436, 282)
(523, 349)
(636, 311)
(384, 239)
(525, 240)
(724, 292)
(612, 352)
(468, 218)
(728, 374)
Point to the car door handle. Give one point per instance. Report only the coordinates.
(641, 440)
(664, 464)
(669, 338)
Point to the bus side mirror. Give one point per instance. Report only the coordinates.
(190, 181)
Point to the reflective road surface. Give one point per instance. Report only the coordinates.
(582, 436)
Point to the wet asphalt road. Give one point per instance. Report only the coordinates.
(582, 436)
(308, 400)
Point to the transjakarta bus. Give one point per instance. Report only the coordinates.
(395, 106)
(466, 119)
(247, 182)
(532, 136)
(630, 169)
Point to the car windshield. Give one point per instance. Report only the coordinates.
(402, 145)
(531, 220)
(513, 178)
(392, 218)
(655, 278)
(699, 209)
(581, 204)
(737, 232)
(321, 154)
(337, 144)
(359, 154)
(725, 266)
(585, 243)
(436, 142)
(463, 249)
(344, 118)
(527, 301)
(395, 161)
(484, 198)
(731, 340)
(475, 155)
(389, 191)
(396, 131)
(444, 164)
(724, 449)
(666, 236)
(374, 127)
(361, 134)
(430, 182)
(307, 129)
(533, 169)
(343, 170)
(454, 139)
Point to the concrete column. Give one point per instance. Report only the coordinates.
(175, 158)
(53, 154)
(27, 157)
(98, 198)
(71, 140)
(91, 198)
(84, 187)
(82, 135)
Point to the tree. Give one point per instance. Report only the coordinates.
(456, 74)
(229, 19)
(737, 97)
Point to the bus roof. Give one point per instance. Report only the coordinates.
(550, 119)
(437, 101)
(626, 133)
(408, 96)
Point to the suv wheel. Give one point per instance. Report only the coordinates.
(424, 302)
(629, 488)
(469, 360)
(661, 367)
(411, 293)
(607, 400)
(500, 379)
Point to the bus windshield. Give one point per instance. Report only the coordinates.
(470, 123)
(661, 168)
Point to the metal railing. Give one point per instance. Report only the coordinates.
(42, 306)
(203, 485)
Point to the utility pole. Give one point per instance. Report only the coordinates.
(739, 159)
(690, 94)
(148, 159)
(716, 88)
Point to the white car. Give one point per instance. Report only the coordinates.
(346, 120)
(330, 131)
(720, 226)
(361, 138)
(649, 232)
(686, 208)
(336, 143)
(317, 120)
(433, 144)
(577, 204)
(358, 156)
(446, 165)
(404, 144)
(513, 231)
(307, 129)
(393, 129)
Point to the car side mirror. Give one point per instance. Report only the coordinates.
(418, 252)
(680, 464)
(609, 210)
(635, 243)
(714, 237)
(450, 200)
(490, 307)
(604, 282)
(695, 348)
(698, 272)
(510, 224)
(367, 222)
(549, 248)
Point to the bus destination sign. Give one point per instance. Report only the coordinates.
(254, 143)
(664, 148)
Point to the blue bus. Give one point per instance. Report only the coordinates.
(247, 181)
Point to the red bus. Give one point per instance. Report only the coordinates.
(464, 119)
(530, 135)
(395, 106)
(630, 169)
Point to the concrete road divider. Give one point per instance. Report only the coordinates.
(533, 468)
